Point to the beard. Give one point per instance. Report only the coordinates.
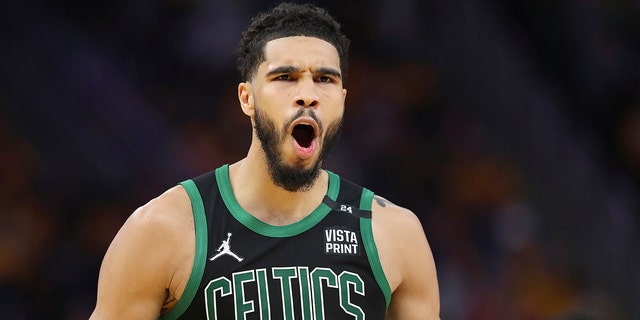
(293, 178)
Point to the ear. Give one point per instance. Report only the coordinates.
(344, 99)
(245, 96)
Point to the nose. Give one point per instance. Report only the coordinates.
(306, 96)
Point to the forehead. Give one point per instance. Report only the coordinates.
(299, 51)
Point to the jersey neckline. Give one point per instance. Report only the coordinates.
(265, 229)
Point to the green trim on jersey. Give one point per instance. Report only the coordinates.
(370, 246)
(200, 258)
(259, 227)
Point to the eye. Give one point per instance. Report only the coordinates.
(284, 77)
(325, 79)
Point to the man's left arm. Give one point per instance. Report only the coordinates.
(408, 263)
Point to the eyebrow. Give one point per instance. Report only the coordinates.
(294, 69)
(329, 71)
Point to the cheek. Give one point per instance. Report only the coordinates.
(331, 117)
(333, 96)
(337, 110)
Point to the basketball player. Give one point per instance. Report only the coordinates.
(274, 236)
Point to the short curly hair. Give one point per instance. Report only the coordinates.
(288, 20)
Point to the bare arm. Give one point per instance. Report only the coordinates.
(408, 263)
(140, 269)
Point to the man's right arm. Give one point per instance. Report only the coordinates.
(138, 267)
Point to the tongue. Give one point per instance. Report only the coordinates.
(304, 152)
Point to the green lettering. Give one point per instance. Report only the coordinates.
(348, 279)
(222, 285)
(242, 307)
(263, 294)
(305, 293)
(317, 276)
(285, 274)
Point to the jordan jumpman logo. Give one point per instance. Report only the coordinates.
(225, 248)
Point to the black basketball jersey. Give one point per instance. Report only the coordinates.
(325, 266)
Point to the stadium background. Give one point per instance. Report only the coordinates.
(512, 128)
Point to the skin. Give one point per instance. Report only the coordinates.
(146, 268)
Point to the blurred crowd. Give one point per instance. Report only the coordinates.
(511, 128)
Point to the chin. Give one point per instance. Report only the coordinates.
(297, 178)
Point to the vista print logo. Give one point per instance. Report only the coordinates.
(341, 241)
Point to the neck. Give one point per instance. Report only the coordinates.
(258, 195)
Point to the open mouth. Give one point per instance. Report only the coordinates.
(304, 134)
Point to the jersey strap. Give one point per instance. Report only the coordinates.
(366, 229)
(347, 208)
(361, 208)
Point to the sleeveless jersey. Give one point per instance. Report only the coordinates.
(325, 266)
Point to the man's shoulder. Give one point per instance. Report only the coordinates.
(168, 211)
(154, 232)
(394, 221)
(152, 238)
(399, 238)
(390, 210)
